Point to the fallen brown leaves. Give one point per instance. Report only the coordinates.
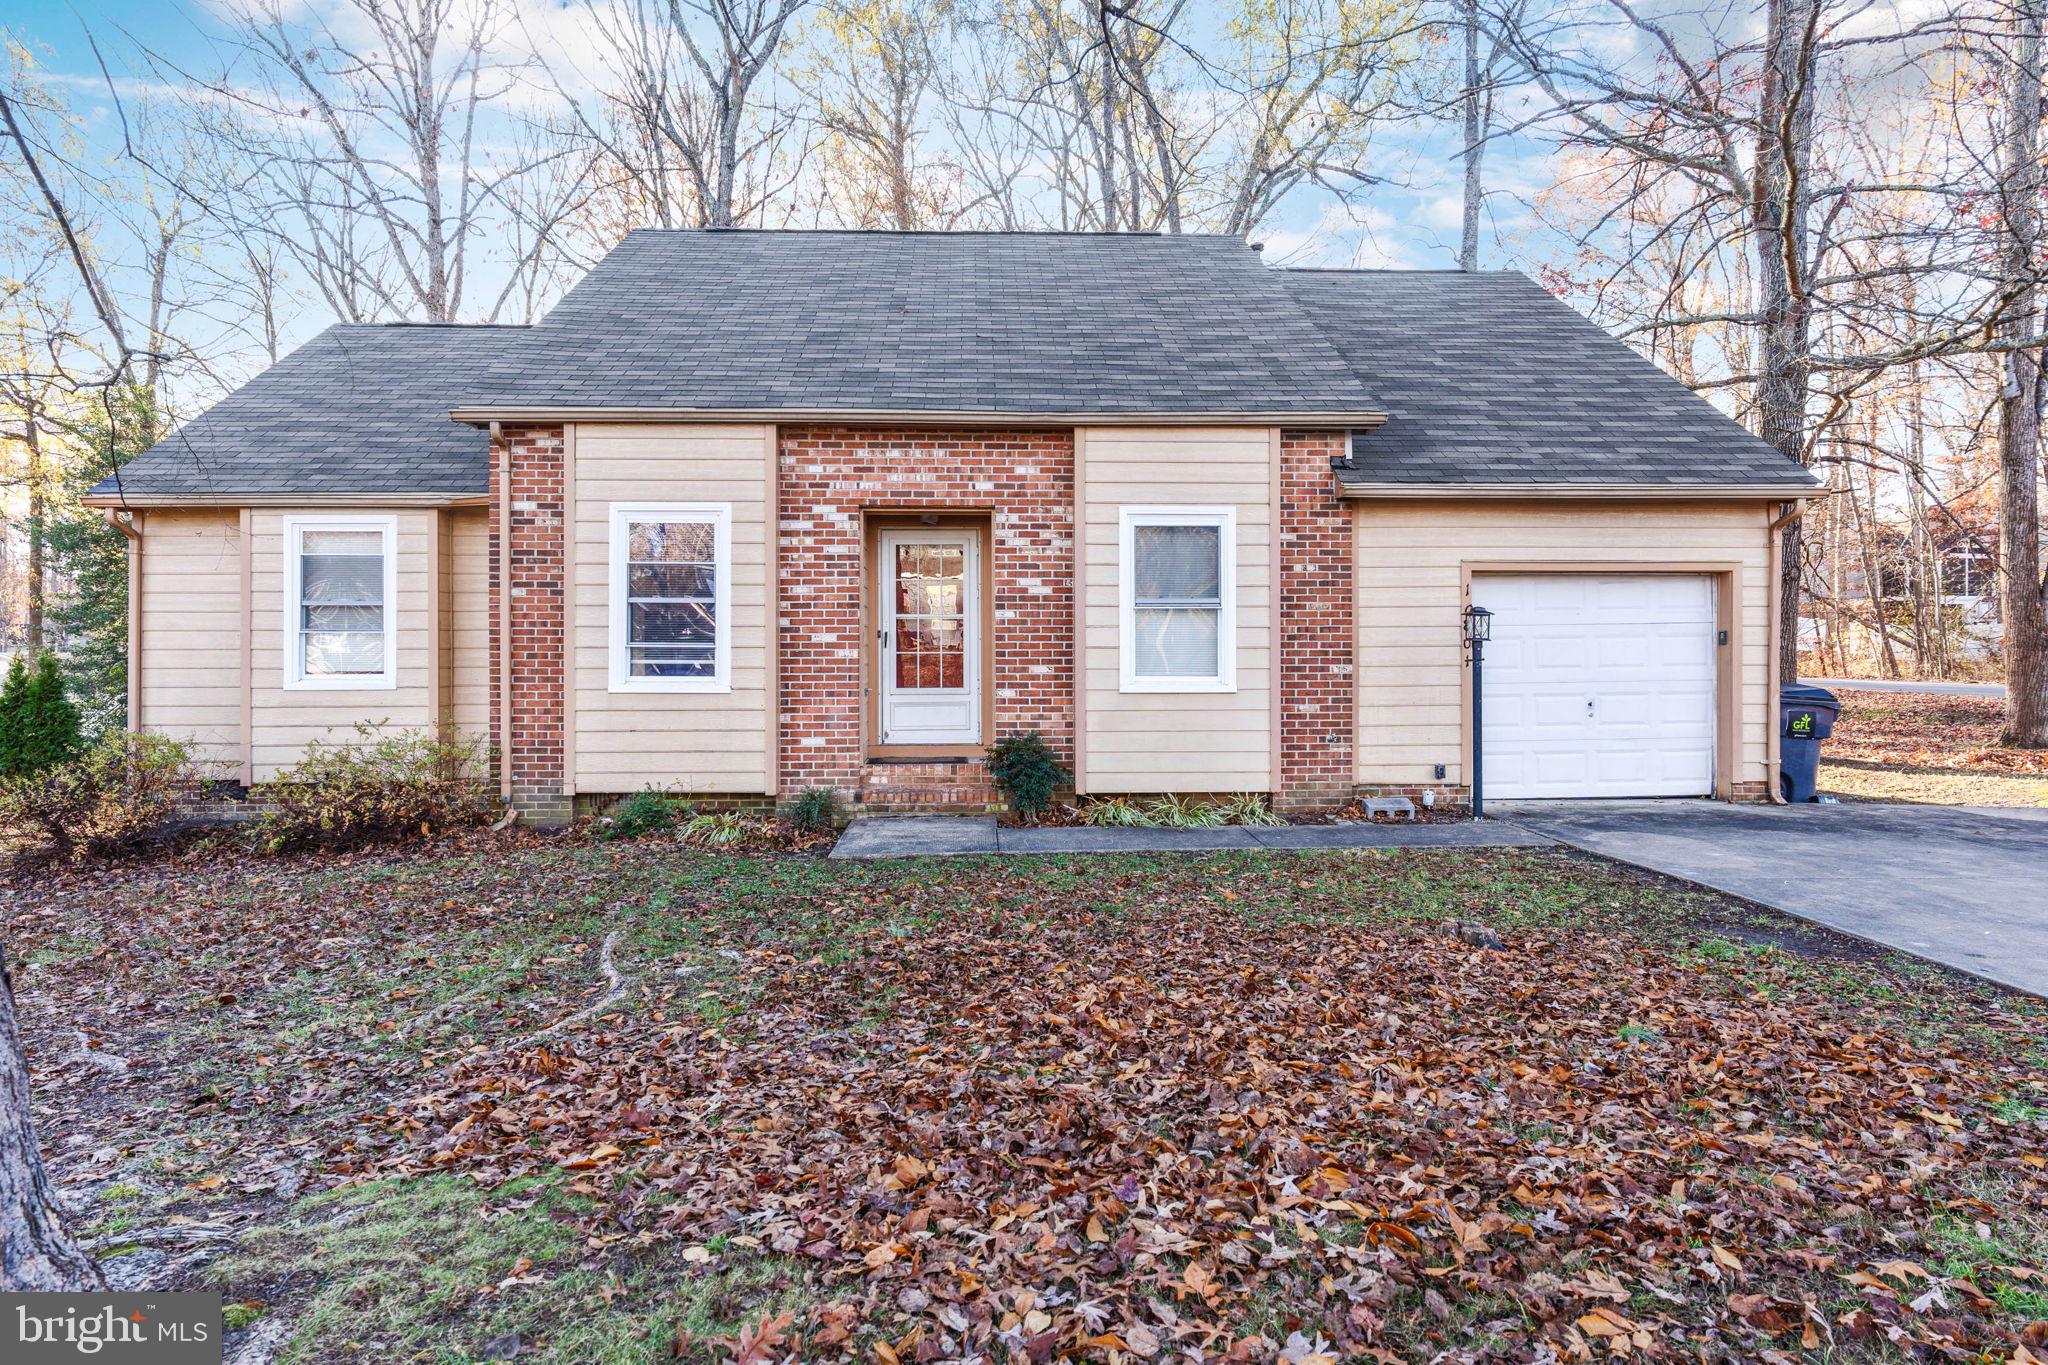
(1906, 729)
(1256, 1108)
(1123, 1127)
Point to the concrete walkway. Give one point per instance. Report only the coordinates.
(940, 836)
(1932, 689)
(1963, 886)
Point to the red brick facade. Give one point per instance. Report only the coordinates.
(830, 476)
(535, 750)
(1022, 481)
(1317, 633)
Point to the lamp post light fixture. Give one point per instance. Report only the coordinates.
(1478, 630)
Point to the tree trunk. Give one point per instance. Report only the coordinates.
(36, 1253)
(38, 525)
(1475, 144)
(2022, 592)
(1778, 231)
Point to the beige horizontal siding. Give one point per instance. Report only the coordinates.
(1178, 741)
(284, 721)
(466, 670)
(1409, 574)
(688, 741)
(190, 652)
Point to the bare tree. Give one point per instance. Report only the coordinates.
(681, 116)
(2025, 593)
(872, 68)
(369, 145)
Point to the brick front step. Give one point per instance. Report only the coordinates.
(952, 788)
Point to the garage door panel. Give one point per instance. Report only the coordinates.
(1638, 647)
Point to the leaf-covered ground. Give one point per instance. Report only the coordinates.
(1904, 746)
(1249, 1107)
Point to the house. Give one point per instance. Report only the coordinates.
(750, 512)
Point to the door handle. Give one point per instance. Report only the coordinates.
(1589, 707)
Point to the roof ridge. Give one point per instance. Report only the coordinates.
(936, 232)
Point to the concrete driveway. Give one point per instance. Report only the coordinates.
(1964, 886)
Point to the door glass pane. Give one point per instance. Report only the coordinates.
(930, 638)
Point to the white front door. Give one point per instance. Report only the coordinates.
(1598, 684)
(930, 592)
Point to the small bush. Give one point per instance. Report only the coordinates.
(718, 829)
(1024, 768)
(644, 812)
(38, 723)
(378, 787)
(814, 810)
(101, 803)
(1248, 808)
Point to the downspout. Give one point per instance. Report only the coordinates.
(124, 522)
(501, 454)
(1793, 511)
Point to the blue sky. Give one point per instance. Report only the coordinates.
(1409, 220)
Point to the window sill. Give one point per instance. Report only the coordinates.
(385, 683)
(681, 687)
(1200, 686)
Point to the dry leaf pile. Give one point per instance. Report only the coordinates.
(1098, 1132)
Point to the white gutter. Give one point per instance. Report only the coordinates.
(509, 416)
(1691, 492)
(111, 500)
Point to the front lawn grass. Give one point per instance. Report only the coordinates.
(1092, 1106)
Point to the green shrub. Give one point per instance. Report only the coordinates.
(38, 723)
(1024, 768)
(1248, 808)
(1115, 811)
(378, 787)
(99, 804)
(644, 812)
(814, 810)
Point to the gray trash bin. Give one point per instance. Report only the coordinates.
(1806, 716)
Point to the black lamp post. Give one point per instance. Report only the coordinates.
(1478, 630)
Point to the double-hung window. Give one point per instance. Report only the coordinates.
(340, 617)
(1178, 599)
(671, 597)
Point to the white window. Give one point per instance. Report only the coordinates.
(340, 602)
(671, 597)
(1178, 599)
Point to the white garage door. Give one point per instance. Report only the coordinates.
(1598, 685)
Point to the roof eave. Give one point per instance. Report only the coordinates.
(1690, 492)
(1352, 419)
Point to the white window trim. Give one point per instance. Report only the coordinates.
(1129, 520)
(296, 678)
(719, 515)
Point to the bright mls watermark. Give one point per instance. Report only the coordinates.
(116, 1329)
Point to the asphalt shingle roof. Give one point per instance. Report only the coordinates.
(1488, 379)
(358, 409)
(1052, 323)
